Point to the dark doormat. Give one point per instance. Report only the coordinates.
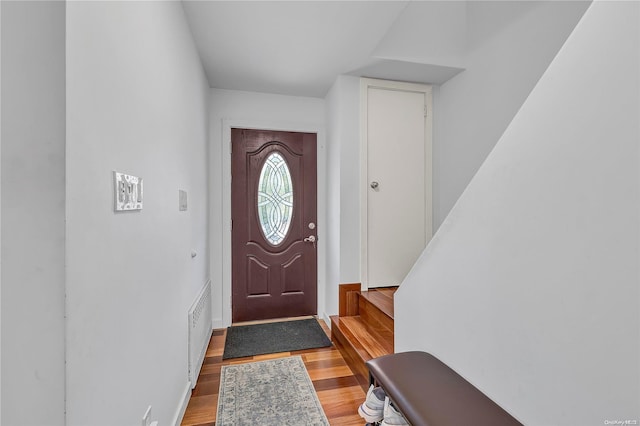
(274, 337)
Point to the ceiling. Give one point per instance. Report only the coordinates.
(298, 48)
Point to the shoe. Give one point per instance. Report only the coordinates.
(391, 416)
(372, 409)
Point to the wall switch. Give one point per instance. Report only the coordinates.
(182, 200)
(146, 419)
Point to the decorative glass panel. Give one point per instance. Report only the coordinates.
(275, 199)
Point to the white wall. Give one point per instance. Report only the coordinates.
(0, 218)
(504, 46)
(530, 289)
(137, 102)
(33, 176)
(230, 108)
(350, 180)
(343, 181)
(428, 32)
(509, 45)
(333, 119)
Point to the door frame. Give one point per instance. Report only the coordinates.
(318, 129)
(365, 84)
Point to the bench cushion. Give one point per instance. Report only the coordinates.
(429, 393)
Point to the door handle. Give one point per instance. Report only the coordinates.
(311, 239)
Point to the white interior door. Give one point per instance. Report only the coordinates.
(398, 180)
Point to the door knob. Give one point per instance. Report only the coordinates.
(310, 239)
(374, 185)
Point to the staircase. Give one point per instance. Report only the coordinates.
(364, 327)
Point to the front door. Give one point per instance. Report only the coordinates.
(273, 209)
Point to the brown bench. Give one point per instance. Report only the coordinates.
(429, 393)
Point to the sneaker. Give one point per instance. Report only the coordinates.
(372, 408)
(391, 416)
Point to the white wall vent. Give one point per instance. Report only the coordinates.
(200, 329)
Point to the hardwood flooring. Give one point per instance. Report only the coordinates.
(338, 389)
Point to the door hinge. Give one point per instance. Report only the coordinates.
(425, 110)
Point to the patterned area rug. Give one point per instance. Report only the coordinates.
(273, 392)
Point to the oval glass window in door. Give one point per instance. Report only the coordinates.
(275, 199)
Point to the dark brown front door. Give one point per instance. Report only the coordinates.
(273, 208)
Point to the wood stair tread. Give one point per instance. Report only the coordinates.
(338, 328)
(358, 344)
(364, 329)
(381, 298)
(374, 343)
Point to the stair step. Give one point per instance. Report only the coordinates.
(359, 343)
(364, 329)
(375, 307)
(382, 298)
(375, 342)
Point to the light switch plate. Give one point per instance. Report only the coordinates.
(182, 197)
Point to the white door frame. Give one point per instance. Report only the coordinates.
(227, 124)
(365, 84)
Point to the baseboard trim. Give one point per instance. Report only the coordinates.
(327, 320)
(182, 408)
(218, 323)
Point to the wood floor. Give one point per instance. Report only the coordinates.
(338, 389)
